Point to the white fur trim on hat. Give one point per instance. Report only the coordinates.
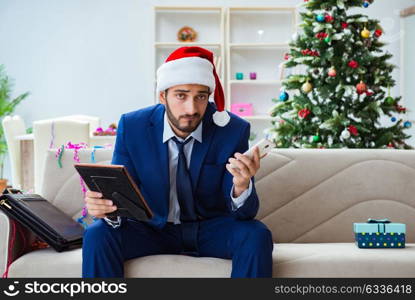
(187, 70)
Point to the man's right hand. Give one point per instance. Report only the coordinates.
(98, 207)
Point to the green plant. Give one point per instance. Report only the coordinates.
(7, 106)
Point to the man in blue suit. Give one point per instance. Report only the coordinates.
(185, 156)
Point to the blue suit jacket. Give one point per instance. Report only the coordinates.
(139, 146)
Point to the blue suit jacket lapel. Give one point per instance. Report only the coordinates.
(159, 152)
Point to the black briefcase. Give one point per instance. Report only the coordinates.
(45, 220)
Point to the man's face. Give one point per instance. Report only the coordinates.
(185, 106)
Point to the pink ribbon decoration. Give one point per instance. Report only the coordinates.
(52, 138)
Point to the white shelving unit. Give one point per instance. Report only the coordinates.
(256, 41)
(248, 39)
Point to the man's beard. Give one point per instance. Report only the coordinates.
(176, 122)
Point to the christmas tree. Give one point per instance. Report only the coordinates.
(344, 88)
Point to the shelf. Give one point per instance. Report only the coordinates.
(174, 9)
(264, 61)
(260, 45)
(251, 9)
(261, 25)
(182, 44)
(206, 21)
(259, 95)
(258, 117)
(256, 82)
(103, 137)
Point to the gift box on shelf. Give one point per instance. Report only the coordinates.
(242, 109)
(379, 234)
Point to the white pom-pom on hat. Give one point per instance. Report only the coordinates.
(221, 118)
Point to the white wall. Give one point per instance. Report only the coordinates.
(96, 57)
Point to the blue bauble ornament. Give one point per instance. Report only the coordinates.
(407, 124)
(320, 18)
(393, 119)
(284, 96)
(366, 4)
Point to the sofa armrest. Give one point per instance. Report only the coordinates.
(4, 238)
(15, 241)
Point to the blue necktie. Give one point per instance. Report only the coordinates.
(188, 216)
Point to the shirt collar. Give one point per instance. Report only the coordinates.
(168, 132)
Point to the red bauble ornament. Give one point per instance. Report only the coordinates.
(361, 88)
(378, 32)
(370, 93)
(353, 130)
(321, 35)
(353, 64)
(310, 52)
(390, 145)
(328, 18)
(287, 56)
(304, 113)
(345, 25)
(332, 72)
(400, 108)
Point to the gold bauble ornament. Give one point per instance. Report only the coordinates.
(365, 33)
(307, 87)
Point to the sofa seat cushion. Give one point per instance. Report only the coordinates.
(290, 260)
(49, 263)
(342, 260)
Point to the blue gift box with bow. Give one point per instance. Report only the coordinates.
(379, 234)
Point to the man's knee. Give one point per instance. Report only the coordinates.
(255, 234)
(98, 232)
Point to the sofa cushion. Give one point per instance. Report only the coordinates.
(290, 260)
(342, 260)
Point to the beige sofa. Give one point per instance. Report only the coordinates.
(309, 199)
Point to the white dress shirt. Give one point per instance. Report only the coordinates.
(174, 207)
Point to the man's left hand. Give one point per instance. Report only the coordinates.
(245, 169)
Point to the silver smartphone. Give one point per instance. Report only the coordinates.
(264, 145)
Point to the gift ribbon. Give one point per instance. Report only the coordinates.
(52, 138)
(93, 153)
(378, 221)
(59, 154)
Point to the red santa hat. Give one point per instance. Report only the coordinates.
(194, 65)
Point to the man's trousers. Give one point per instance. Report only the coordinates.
(247, 242)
